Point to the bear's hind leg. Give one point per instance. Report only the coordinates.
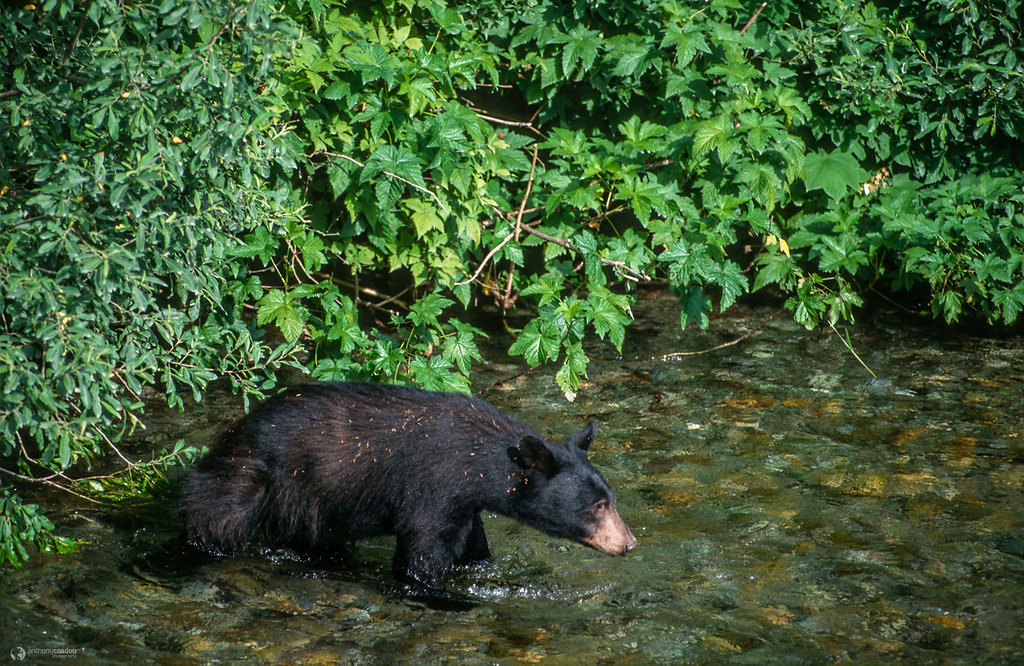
(221, 506)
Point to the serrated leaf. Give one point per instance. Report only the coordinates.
(711, 135)
(730, 278)
(776, 268)
(629, 55)
(696, 307)
(573, 370)
(607, 314)
(425, 311)
(687, 41)
(424, 216)
(337, 90)
(836, 173)
(277, 306)
(400, 162)
(538, 342)
(580, 49)
(461, 350)
(372, 62)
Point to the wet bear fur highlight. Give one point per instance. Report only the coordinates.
(321, 465)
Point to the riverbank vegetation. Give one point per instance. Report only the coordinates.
(221, 190)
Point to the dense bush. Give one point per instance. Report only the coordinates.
(363, 177)
(135, 153)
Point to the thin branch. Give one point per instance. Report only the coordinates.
(628, 273)
(78, 34)
(754, 17)
(500, 121)
(509, 123)
(507, 300)
(47, 481)
(388, 173)
(529, 187)
(120, 455)
(483, 263)
(849, 346)
(230, 19)
(675, 355)
(376, 294)
(518, 226)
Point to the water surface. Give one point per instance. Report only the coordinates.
(790, 509)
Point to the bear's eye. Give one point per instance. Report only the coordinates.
(598, 507)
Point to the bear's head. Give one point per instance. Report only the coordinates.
(564, 496)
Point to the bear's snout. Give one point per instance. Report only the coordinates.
(611, 536)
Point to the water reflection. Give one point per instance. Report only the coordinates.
(790, 508)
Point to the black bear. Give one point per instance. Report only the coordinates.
(322, 464)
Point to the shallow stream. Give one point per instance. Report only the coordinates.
(790, 509)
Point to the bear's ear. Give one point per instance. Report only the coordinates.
(535, 453)
(584, 438)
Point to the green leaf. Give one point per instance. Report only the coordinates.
(714, 134)
(836, 173)
(573, 370)
(608, 313)
(337, 90)
(580, 49)
(729, 276)
(424, 216)
(400, 162)
(538, 342)
(372, 62)
(687, 40)
(461, 350)
(425, 311)
(696, 307)
(277, 307)
(630, 54)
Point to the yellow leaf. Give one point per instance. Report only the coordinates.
(772, 239)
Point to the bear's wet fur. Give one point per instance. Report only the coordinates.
(323, 464)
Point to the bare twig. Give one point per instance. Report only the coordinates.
(849, 346)
(501, 121)
(754, 17)
(78, 34)
(483, 263)
(230, 19)
(369, 291)
(388, 173)
(48, 481)
(508, 300)
(628, 273)
(675, 355)
(515, 234)
(529, 187)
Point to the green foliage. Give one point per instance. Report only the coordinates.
(927, 98)
(358, 178)
(135, 154)
(23, 523)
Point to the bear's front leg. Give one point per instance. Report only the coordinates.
(425, 554)
(422, 560)
(476, 550)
